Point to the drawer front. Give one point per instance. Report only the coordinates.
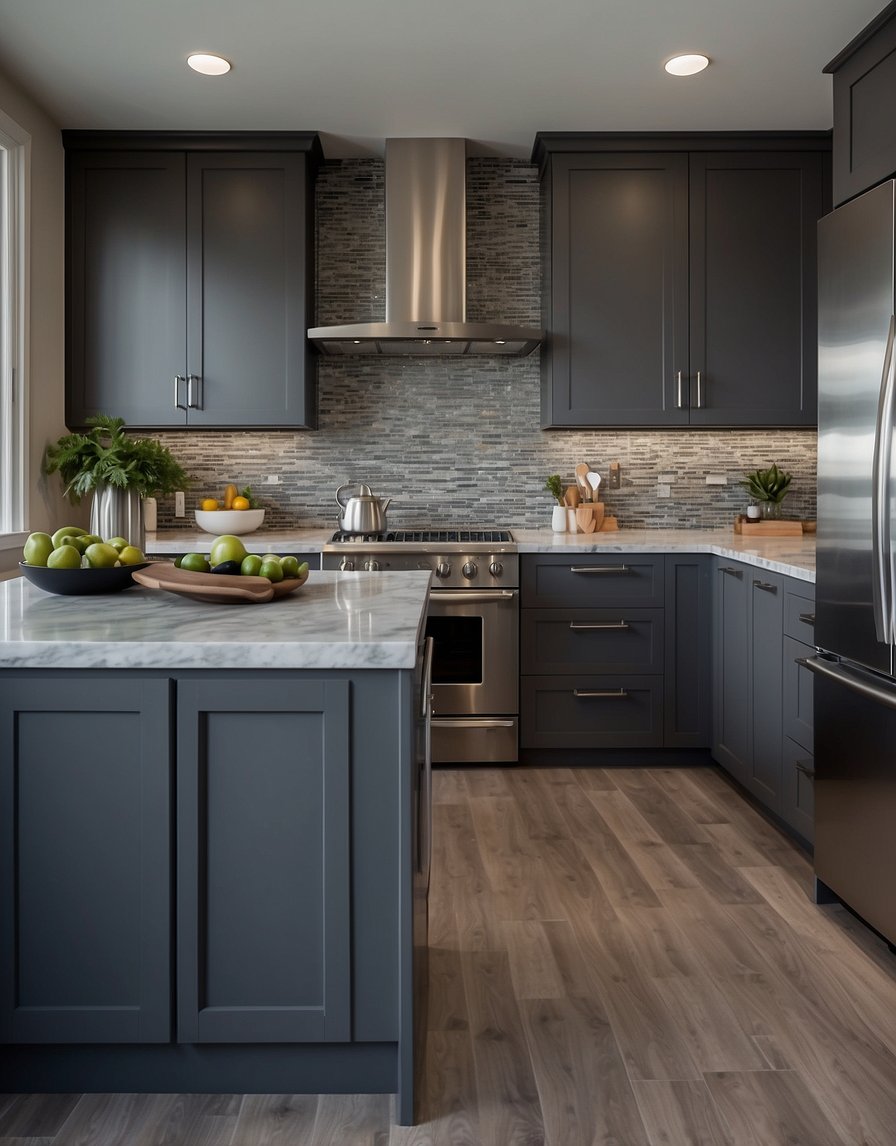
(591, 711)
(798, 686)
(592, 581)
(798, 794)
(592, 641)
(799, 614)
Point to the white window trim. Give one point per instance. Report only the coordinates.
(14, 345)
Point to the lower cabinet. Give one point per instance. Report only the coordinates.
(614, 651)
(107, 777)
(762, 708)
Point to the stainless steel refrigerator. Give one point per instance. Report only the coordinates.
(855, 630)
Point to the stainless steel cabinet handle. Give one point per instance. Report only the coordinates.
(466, 597)
(882, 587)
(600, 693)
(599, 569)
(426, 689)
(803, 766)
(731, 571)
(581, 626)
(679, 397)
(807, 618)
(449, 722)
(178, 405)
(699, 390)
(191, 378)
(765, 586)
(852, 679)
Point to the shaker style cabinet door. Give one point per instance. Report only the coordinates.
(85, 859)
(753, 325)
(263, 883)
(616, 304)
(126, 335)
(732, 660)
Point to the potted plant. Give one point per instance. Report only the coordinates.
(118, 470)
(554, 486)
(768, 488)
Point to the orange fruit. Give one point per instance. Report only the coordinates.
(208, 504)
(240, 503)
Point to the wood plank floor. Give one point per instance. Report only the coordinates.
(625, 956)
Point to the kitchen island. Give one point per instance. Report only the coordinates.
(213, 869)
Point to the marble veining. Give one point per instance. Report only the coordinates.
(335, 621)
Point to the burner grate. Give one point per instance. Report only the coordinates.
(429, 536)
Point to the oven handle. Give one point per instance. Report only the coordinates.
(426, 699)
(451, 722)
(471, 596)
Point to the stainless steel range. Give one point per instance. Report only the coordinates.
(474, 622)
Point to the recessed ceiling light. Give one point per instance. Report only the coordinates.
(687, 65)
(208, 64)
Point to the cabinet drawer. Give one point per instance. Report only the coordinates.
(799, 615)
(592, 640)
(798, 783)
(592, 581)
(798, 688)
(591, 711)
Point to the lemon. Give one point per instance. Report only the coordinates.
(208, 504)
(240, 503)
(64, 557)
(37, 549)
(131, 555)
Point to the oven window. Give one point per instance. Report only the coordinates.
(457, 652)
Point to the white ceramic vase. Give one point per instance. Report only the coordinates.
(558, 519)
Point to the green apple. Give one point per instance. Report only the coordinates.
(67, 531)
(227, 547)
(273, 570)
(251, 565)
(37, 549)
(116, 542)
(130, 555)
(64, 557)
(100, 555)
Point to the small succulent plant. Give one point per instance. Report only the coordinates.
(768, 485)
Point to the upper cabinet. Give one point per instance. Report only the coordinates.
(189, 278)
(864, 95)
(679, 284)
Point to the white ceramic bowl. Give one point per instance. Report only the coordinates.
(234, 521)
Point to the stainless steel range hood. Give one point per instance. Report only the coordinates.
(426, 240)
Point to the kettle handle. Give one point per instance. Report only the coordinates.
(347, 485)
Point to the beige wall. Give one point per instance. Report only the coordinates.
(46, 402)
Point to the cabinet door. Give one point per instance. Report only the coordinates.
(617, 309)
(766, 628)
(732, 720)
(125, 287)
(753, 318)
(688, 618)
(263, 861)
(85, 947)
(248, 291)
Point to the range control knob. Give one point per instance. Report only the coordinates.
(443, 569)
(372, 566)
(469, 570)
(496, 568)
(346, 566)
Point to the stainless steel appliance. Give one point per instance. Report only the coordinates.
(474, 623)
(855, 689)
(362, 512)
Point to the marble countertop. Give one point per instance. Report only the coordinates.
(335, 621)
(793, 556)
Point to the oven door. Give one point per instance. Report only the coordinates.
(475, 674)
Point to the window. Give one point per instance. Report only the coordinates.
(14, 154)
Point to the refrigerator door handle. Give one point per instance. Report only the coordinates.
(882, 584)
(850, 678)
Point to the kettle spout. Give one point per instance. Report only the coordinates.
(385, 502)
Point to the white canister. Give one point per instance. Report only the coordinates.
(571, 526)
(150, 514)
(753, 512)
(558, 519)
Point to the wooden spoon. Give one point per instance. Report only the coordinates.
(582, 481)
(585, 518)
(572, 497)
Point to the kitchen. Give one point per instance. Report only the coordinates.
(486, 464)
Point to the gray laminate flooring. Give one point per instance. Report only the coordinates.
(625, 956)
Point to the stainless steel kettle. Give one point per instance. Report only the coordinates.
(363, 512)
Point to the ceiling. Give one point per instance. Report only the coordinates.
(493, 71)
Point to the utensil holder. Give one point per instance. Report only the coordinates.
(558, 519)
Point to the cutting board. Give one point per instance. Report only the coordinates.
(215, 588)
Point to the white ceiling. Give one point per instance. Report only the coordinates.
(493, 71)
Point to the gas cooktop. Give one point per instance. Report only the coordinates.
(426, 537)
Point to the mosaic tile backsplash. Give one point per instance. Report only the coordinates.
(455, 442)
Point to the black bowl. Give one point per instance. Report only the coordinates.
(78, 582)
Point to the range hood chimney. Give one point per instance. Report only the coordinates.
(426, 242)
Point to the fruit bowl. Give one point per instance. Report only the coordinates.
(80, 582)
(236, 521)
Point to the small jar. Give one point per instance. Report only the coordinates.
(558, 519)
(753, 512)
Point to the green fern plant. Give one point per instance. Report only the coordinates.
(554, 486)
(768, 485)
(106, 455)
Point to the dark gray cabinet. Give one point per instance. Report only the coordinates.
(263, 910)
(798, 754)
(85, 860)
(680, 279)
(614, 651)
(732, 713)
(864, 141)
(189, 279)
(766, 613)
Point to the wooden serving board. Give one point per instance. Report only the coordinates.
(215, 588)
(767, 528)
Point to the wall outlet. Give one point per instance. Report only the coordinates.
(615, 476)
(666, 479)
(179, 510)
(272, 479)
(663, 489)
(716, 479)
